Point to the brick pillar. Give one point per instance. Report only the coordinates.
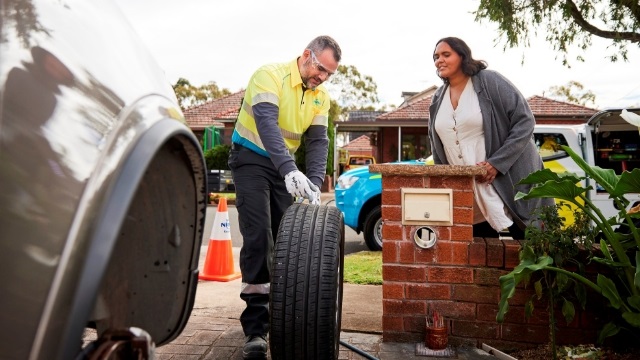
(458, 276)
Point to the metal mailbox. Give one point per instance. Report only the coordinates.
(427, 206)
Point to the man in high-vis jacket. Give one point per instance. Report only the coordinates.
(282, 103)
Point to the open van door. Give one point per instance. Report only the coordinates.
(616, 145)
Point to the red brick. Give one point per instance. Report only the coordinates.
(443, 252)
(392, 212)
(402, 181)
(462, 233)
(428, 292)
(488, 312)
(511, 253)
(415, 324)
(390, 252)
(407, 251)
(462, 216)
(450, 275)
(459, 253)
(463, 198)
(475, 329)
(537, 334)
(488, 276)
(404, 273)
(425, 256)
(495, 252)
(435, 182)
(391, 196)
(455, 309)
(478, 252)
(392, 231)
(391, 290)
(392, 323)
(404, 307)
(457, 182)
(444, 232)
(477, 294)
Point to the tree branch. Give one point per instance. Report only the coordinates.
(631, 5)
(579, 19)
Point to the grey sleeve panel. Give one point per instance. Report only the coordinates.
(317, 150)
(266, 117)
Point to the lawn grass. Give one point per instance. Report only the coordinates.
(364, 267)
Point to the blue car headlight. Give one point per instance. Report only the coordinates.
(346, 181)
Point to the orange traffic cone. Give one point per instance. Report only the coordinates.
(218, 266)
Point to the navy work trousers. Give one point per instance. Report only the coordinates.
(261, 200)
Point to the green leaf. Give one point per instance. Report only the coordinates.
(568, 310)
(636, 278)
(564, 190)
(539, 177)
(563, 282)
(629, 182)
(538, 287)
(610, 329)
(528, 309)
(605, 250)
(632, 318)
(634, 301)
(507, 289)
(609, 291)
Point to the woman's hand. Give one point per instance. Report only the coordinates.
(491, 173)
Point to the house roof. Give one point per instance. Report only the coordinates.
(215, 112)
(542, 106)
(418, 110)
(363, 115)
(362, 143)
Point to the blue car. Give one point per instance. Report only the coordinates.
(358, 195)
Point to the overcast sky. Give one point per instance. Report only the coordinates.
(391, 41)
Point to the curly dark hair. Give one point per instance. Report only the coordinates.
(470, 66)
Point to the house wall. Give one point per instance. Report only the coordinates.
(459, 275)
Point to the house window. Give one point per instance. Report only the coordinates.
(415, 147)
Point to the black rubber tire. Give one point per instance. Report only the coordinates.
(372, 229)
(306, 284)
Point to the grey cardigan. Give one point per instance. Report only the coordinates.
(508, 131)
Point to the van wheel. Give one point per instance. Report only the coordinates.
(306, 284)
(372, 229)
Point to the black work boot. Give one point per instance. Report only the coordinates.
(255, 347)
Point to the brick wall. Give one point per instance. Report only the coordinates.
(458, 276)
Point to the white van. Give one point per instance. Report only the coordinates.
(606, 140)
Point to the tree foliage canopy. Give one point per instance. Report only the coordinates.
(353, 90)
(566, 23)
(189, 95)
(572, 92)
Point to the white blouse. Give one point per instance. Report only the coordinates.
(462, 137)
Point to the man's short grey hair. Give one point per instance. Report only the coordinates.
(322, 42)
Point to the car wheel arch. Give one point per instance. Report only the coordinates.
(111, 214)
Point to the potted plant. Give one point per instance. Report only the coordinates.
(619, 248)
(436, 332)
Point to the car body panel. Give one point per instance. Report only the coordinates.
(78, 93)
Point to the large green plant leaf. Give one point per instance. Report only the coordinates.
(544, 175)
(609, 329)
(609, 291)
(632, 318)
(606, 178)
(564, 190)
(629, 183)
(634, 301)
(509, 281)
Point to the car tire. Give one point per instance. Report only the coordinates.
(306, 284)
(372, 229)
